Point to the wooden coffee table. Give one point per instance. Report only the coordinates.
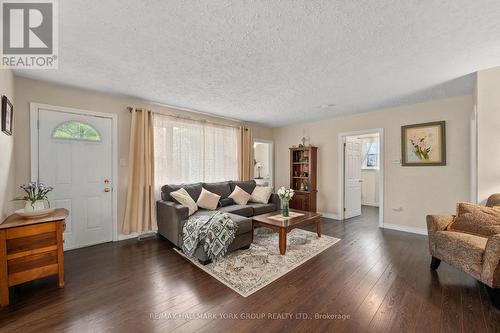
(284, 226)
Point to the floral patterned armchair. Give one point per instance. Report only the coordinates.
(475, 255)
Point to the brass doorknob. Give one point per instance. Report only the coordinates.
(106, 181)
(107, 189)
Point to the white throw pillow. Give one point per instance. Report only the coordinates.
(240, 196)
(261, 194)
(183, 197)
(208, 200)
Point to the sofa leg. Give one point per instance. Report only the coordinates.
(205, 262)
(435, 263)
(494, 294)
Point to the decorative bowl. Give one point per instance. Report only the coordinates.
(35, 213)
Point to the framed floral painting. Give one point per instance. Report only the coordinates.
(423, 144)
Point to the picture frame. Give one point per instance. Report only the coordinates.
(7, 115)
(423, 144)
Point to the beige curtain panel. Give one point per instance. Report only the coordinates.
(140, 210)
(245, 153)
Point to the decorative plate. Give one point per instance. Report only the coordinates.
(36, 213)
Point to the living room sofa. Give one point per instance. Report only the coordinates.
(171, 216)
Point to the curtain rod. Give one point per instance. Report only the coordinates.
(130, 109)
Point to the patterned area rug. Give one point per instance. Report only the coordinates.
(246, 271)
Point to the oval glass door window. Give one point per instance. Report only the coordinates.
(75, 130)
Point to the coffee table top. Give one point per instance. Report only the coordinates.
(306, 217)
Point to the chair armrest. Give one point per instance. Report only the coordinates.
(171, 218)
(491, 262)
(436, 223)
(275, 199)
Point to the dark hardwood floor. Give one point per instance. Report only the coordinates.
(379, 279)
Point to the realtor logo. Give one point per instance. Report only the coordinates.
(29, 34)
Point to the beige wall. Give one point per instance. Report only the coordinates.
(7, 184)
(410, 192)
(488, 132)
(28, 90)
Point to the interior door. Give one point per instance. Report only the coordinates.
(352, 177)
(75, 157)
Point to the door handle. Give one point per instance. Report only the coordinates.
(107, 189)
(360, 180)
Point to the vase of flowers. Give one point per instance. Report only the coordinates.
(285, 196)
(36, 196)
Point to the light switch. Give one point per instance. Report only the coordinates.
(123, 162)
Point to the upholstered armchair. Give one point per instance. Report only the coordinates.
(476, 255)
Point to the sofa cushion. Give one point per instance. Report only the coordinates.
(248, 186)
(260, 208)
(183, 197)
(208, 200)
(476, 219)
(244, 223)
(194, 190)
(461, 250)
(226, 202)
(240, 196)
(261, 194)
(242, 210)
(222, 188)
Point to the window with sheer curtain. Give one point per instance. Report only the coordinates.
(187, 151)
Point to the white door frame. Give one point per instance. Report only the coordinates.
(271, 157)
(34, 107)
(341, 140)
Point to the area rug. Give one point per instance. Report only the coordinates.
(246, 271)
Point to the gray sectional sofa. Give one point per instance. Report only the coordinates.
(171, 216)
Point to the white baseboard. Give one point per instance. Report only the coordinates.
(330, 215)
(404, 228)
(129, 236)
(373, 204)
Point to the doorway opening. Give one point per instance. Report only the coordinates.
(361, 174)
(263, 162)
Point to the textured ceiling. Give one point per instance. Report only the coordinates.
(275, 62)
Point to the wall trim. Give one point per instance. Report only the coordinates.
(122, 237)
(404, 228)
(330, 215)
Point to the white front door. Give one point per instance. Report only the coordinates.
(75, 157)
(352, 177)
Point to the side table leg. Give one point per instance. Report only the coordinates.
(318, 227)
(282, 241)
(60, 253)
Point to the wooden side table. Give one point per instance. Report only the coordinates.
(31, 249)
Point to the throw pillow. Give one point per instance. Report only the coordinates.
(477, 220)
(185, 199)
(261, 194)
(240, 196)
(208, 200)
(226, 202)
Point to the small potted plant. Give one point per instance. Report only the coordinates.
(36, 196)
(285, 196)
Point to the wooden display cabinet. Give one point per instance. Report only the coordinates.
(303, 177)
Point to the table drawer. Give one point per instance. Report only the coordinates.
(31, 262)
(30, 243)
